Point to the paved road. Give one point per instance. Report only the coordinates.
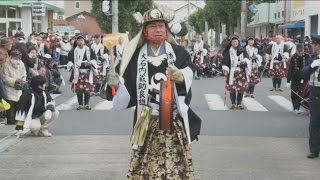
(253, 144)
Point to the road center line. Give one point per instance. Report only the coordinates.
(104, 105)
(68, 104)
(253, 105)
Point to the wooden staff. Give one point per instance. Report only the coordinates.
(112, 67)
(166, 103)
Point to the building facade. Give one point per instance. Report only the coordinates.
(75, 7)
(311, 17)
(263, 20)
(31, 16)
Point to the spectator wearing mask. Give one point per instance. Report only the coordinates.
(14, 78)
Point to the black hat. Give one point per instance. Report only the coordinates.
(315, 39)
(19, 36)
(300, 47)
(234, 36)
(4, 41)
(250, 38)
(36, 81)
(16, 53)
(80, 37)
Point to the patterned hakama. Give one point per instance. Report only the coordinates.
(240, 82)
(278, 70)
(165, 155)
(83, 83)
(254, 78)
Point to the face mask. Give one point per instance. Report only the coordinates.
(14, 61)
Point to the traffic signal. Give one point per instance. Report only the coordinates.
(106, 6)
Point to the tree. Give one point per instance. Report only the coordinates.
(126, 20)
(197, 20)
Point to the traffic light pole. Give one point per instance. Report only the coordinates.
(114, 16)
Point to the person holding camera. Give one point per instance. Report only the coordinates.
(101, 53)
(14, 77)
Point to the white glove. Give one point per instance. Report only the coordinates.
(177, 74)
(315, 63)
(47, 115)
(288, 85)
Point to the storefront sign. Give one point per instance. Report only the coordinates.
(38, 9)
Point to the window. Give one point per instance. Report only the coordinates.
(3, 12)
(275, 15)
(13, 12)
(77, 4)
(282, 13)
(278, 14)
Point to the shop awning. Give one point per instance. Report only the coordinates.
(291, 25)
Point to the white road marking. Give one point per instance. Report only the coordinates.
(55, 95)
(282, 101)
(68, 104)
(253, 105)
(215, 102)
(104, 105)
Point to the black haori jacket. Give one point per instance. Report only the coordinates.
(183, 60)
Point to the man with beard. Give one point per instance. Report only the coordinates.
(145, 61)
(237, 69)
(295, 82)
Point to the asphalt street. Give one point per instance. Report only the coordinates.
(250, 144)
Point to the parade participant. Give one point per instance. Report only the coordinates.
(294, 80)
(14, 79)
(278, 63)
(200, 51)
(118, 50)
(36, 109)
(101, 53)
(85, 66)
(255, 60)
(312, 72)
(145, 61)
(237, 69)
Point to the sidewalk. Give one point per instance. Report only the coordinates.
(5, 130)
(103, 157)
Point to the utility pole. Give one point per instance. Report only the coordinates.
(243, 18)
(115, 16)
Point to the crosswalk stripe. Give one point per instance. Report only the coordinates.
(54, 96)
(215, 102)
(253, 105)
(68, 104)
(282, 101)
(104, 105)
